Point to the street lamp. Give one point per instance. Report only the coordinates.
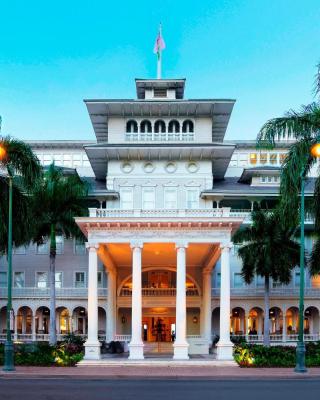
(301, 349)
(8, 346)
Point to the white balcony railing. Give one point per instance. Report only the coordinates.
(224, 212)
(248, 291)
(279, 338)
(31, 292)
(159, 137)
(162, 213)
(159, 292)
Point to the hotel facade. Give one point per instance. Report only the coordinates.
(159, 271)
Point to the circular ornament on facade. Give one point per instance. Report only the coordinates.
(192, 167)
(171, 167)
(127, 167)
(148, 167)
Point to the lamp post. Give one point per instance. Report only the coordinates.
(301, 349)
(8, 346)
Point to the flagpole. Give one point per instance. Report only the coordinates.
(159, 65)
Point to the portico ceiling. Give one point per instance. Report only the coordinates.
(160, 254)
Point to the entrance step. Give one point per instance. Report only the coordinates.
(158, 347)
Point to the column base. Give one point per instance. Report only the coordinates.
(180, 351)
(225, 351)
(92, 350)
(136, 351)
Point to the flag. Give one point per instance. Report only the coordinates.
(159, 44)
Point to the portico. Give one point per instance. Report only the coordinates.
(186, 245)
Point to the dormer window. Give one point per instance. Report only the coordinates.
(132, 126)
(145, 126)
(159, 92)
(174, 126)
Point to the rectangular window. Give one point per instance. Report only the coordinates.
(273, 158)
(297, 279)
(79, 247)
(18, 279)
(253, 158)
(259, 281)
(42, 280)
(20, 250)
(126, 198)
(263, 158)
(67, 160)
(170, 198)
(47, 159)
(148, 198)
(59, 244)
(3, 279)
(234, 160)
(192, 198)
(77, 160)
(237, 280)
(282, 157)
(80, 280)
(99, 278)
(58, 280)
(218, 280)
(263, 179)
(159, 92)
(43, 248)
(243, 159)
(57, 158)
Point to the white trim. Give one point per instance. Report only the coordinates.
(166, 190)
(36, 280)
(144, 190)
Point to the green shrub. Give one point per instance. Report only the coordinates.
(42, 354)
(274, 356)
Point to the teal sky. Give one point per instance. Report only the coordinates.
(54, 54)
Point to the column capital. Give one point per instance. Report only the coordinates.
(92, 246)
(226, 246)
(136, 244)
(181, 244)
(207, 272)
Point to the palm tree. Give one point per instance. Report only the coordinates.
(21, 166)
(268, 250)
(57, 199)
(304, 128)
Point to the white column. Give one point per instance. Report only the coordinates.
(15, 334)
(206, 332)
(224, 346)
(33, 327)
(92, 345)
(136, 344)
(181, 345)
(111, 306)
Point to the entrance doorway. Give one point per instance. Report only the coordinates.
(158, 329)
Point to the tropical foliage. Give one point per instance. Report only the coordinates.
(57, 199)
(247, 355)
(269, 250)
(18, 162)
(304, 127)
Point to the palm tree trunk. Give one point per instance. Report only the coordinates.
(266, 336)
(52, 280)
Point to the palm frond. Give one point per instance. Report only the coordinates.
(317, 81)
(302, 124)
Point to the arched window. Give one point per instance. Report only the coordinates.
(174, 126)
(187, 126)
(132, 126)
(145, 126)
(159, 126)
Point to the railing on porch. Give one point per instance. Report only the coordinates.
(31, 292)
(159, 292)
(161, 212)
(278, 338)
(248, 291)
(122, 338)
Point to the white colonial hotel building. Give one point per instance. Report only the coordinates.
(167, 193)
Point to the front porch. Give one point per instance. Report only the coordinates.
(187, 245)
